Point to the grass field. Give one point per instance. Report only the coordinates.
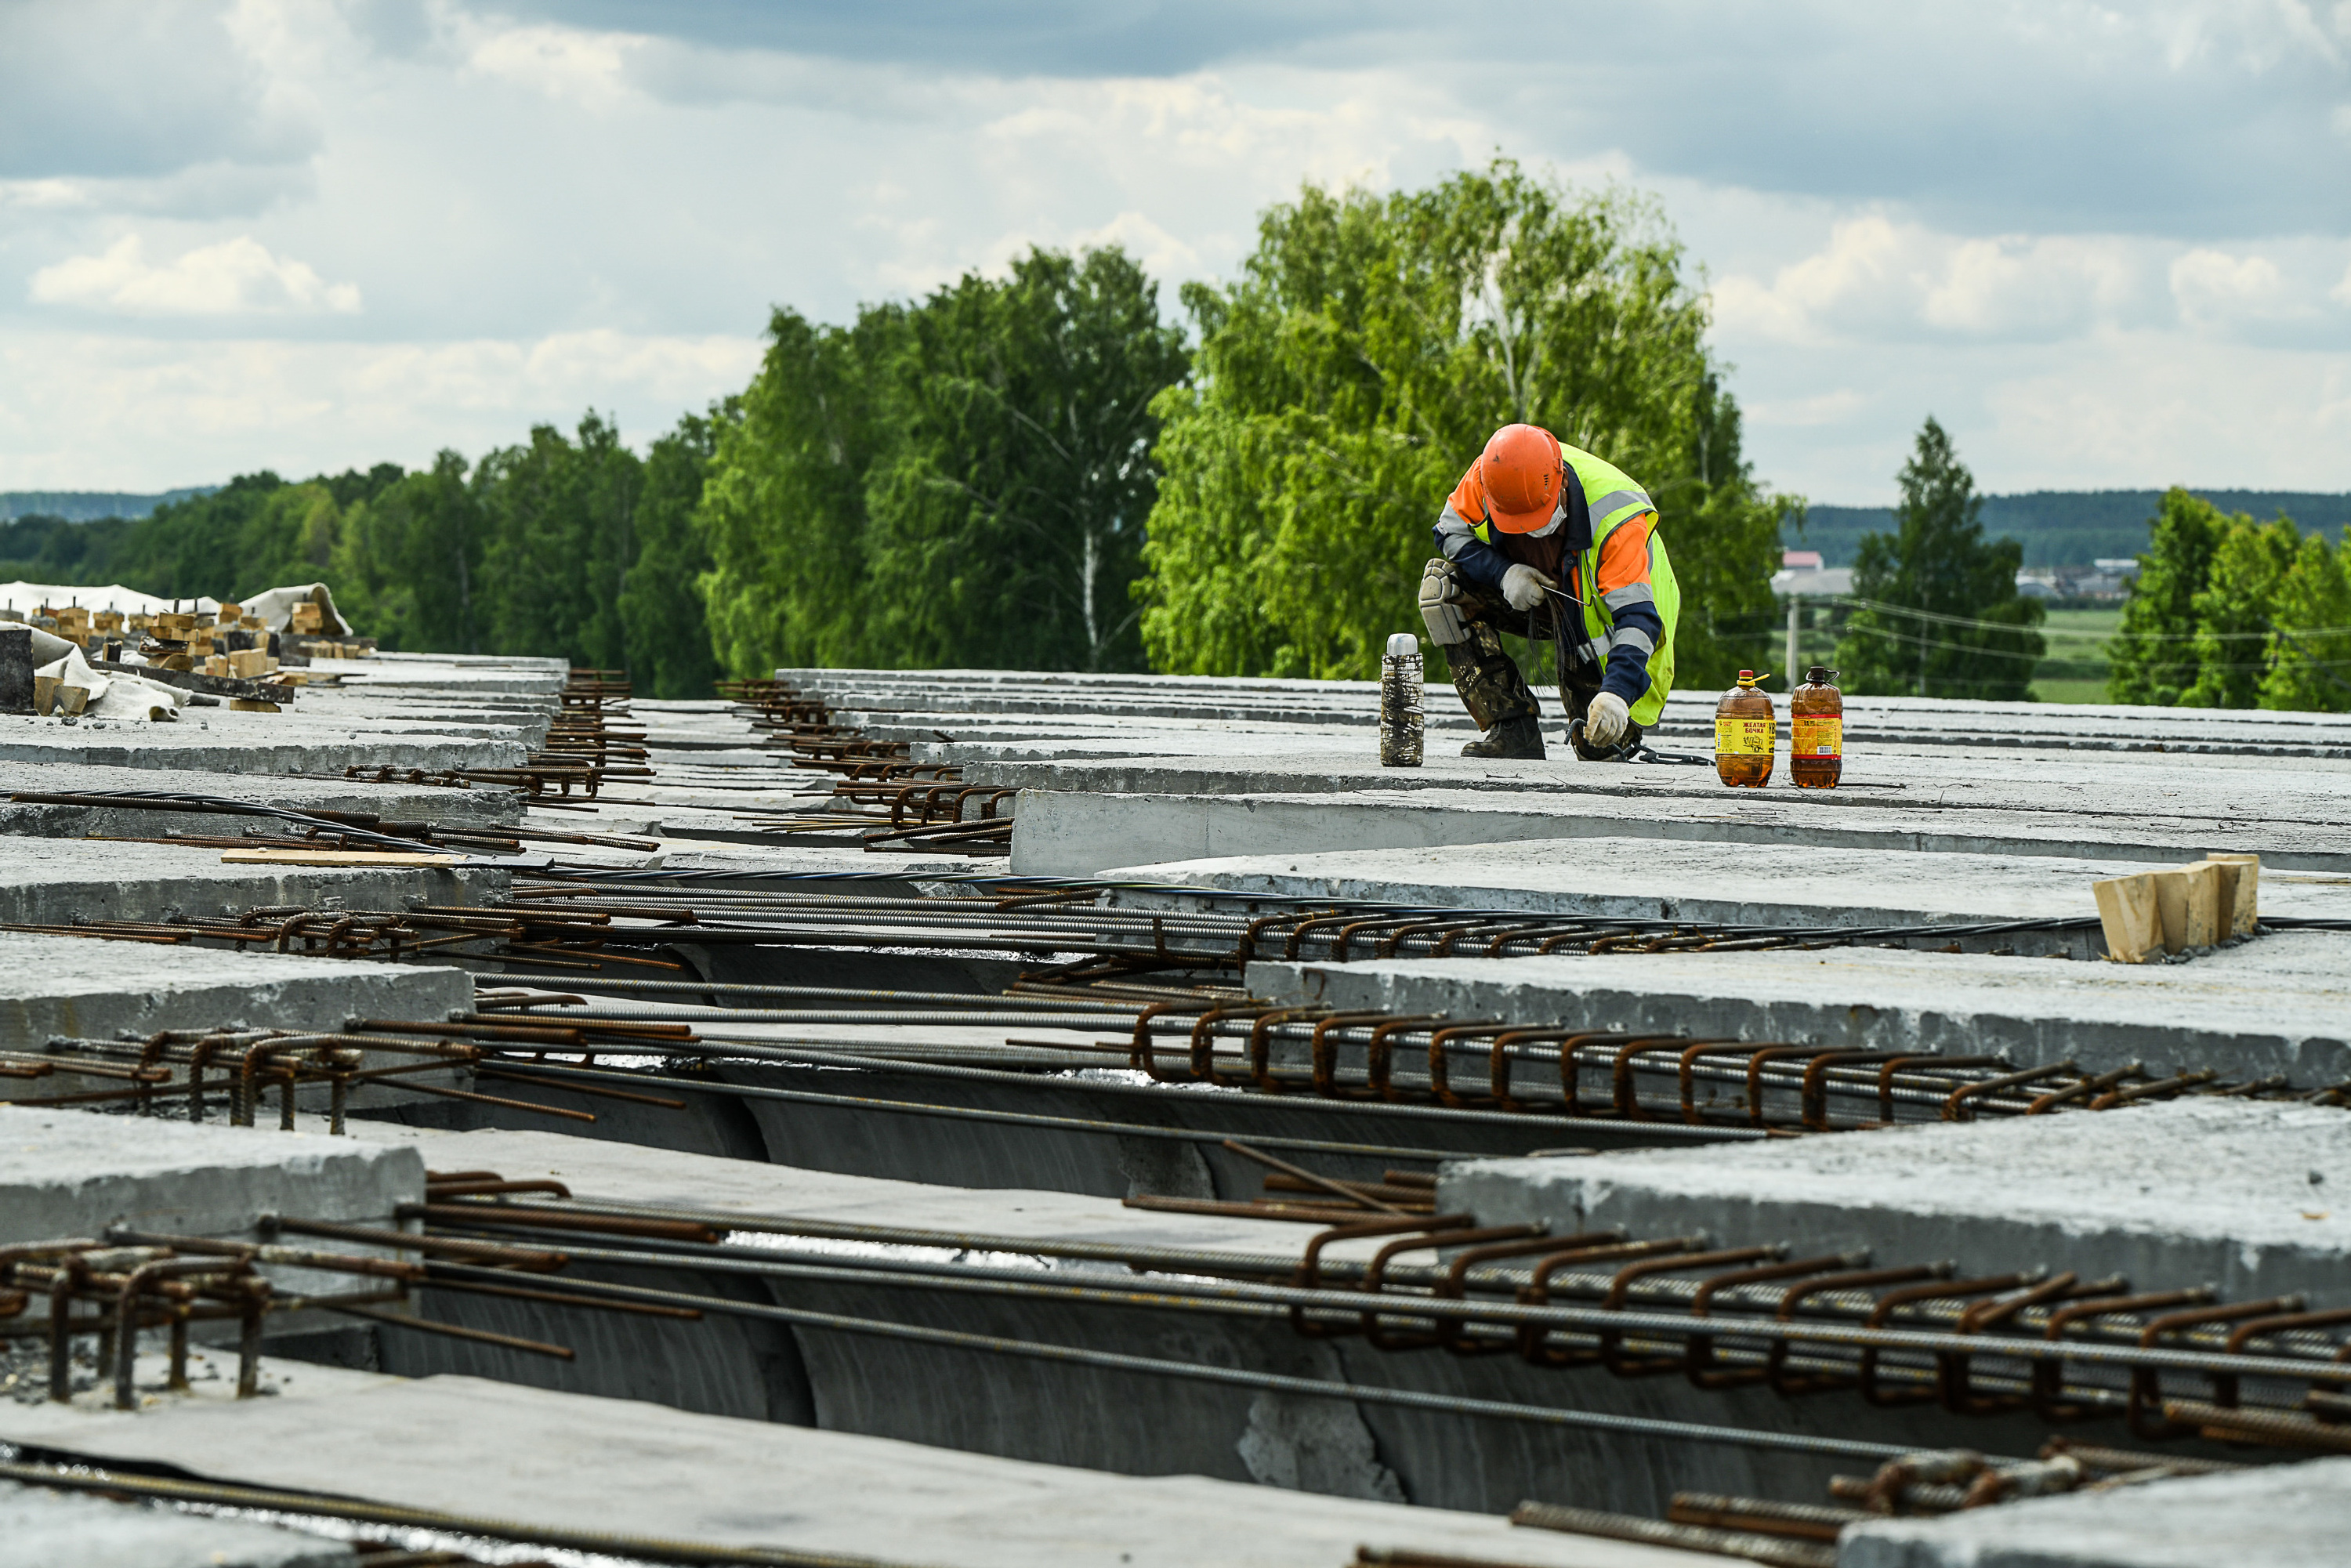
(2075, 671)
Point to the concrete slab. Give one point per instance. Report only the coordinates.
(461, 1445)
(69, 1173)
(2278, 1004)
(1665, 879)
(95, 990)
(481, 806)
(2264, 1216)
(1063, 832)
(2281, 1516)
(221, 740)
(52, 882)
(46, 1529)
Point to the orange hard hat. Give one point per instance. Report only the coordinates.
(1521, 469)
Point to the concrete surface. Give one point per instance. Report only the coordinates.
(2268, 1212)
(52, 882)
(1665, 879)
(69, 1173)
(1145, 703)
(1068, 833)
(482, 805)
(95, 989)
(2280, 1004)
(221, 740)
(45, 1528)
(461, 1445)
(2282, 1516)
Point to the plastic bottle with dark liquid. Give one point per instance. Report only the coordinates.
(1746, 731)
(1816, 731)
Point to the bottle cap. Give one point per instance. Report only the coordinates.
(1402, 644)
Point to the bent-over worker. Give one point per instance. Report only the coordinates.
(1544, 539)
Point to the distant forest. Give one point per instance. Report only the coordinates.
(87, 506)
(2073, 527)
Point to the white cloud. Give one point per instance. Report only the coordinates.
(83, 409)
(1877, 277)
(235, 277)
(588, 69)
(2214, 287)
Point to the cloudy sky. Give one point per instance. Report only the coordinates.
(2109, 245)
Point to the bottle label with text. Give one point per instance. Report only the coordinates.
(1744, 737)
(1818, 735)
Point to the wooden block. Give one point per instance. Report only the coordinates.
(2127, 913)
(249, 664)
(251, 705)
(228, 615)
(2241, 890)
(333, 857)
(219, 665)
(72, 699)
(175, 628)
(2188, 901)
(307, 616)
(44, 693)
(108, 620)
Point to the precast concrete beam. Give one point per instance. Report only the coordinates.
(1076, 832)
(2280, 1004)
(68, 1172)
(483, 806)
(95, 990)
(969, 1398)
(2278, 1516)
(2241, 1196)
(220, 740)
(56, 882)
(464, 1445)
(45, 1528)
(1706, 883)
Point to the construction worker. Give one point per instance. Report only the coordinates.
(1541, 537)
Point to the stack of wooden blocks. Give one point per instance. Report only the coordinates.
(2158, 912)
(240, 646)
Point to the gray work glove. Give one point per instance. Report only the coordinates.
(1604, 720)
(1524, 587)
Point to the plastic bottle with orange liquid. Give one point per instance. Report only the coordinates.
(1746, 732)
(1816, 731)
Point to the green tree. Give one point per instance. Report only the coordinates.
(783, 511)
(2234, 613)
(408, 570)
(1008, 521)
(667, 636)
(561, 539)
(2153, 659)
(2313, 641)
(1940, 616)
(1370, 347)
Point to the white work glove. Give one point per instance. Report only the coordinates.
(1523, 586)
(1604, 720)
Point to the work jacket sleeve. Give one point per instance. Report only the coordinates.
(1632, 606)
(1457, 541)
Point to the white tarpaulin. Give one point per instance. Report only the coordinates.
(113, 696)
(24, 597)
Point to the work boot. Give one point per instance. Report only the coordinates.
(1514, 740)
